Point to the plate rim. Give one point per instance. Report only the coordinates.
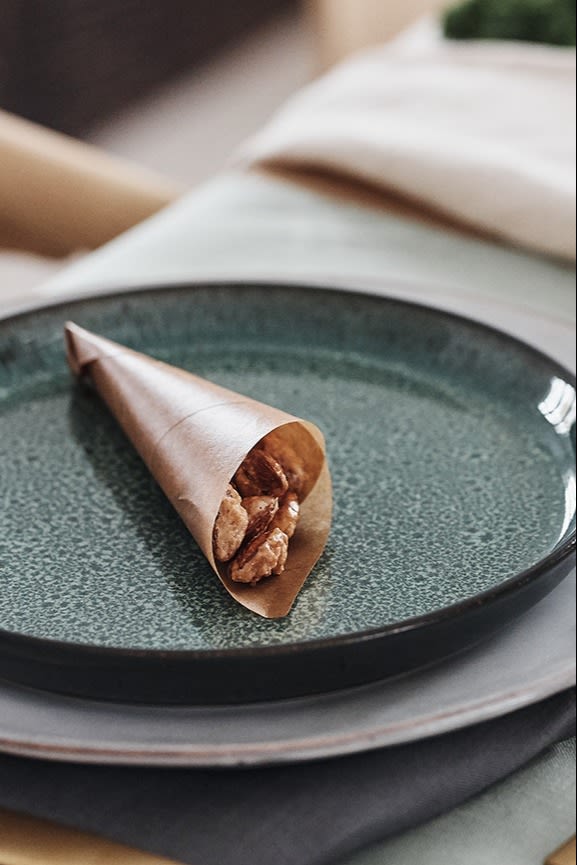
(559, 556)
(499, 702)
(305, 749)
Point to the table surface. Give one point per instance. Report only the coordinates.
(250, 226)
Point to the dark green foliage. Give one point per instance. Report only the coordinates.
(549, 21)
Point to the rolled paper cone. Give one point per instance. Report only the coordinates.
(194, 435)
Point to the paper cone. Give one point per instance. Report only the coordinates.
(194, 435)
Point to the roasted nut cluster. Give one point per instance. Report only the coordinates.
(260, 513)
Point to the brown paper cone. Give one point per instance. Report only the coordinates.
(193, 435)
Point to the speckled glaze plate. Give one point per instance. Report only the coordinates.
(453, 455)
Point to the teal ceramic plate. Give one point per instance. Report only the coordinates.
(453, 456)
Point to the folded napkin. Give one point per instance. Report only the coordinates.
(290, 815)
(480, 131)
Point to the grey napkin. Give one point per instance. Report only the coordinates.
(295, 815)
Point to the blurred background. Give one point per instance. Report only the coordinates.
(177, 86)
(173, 84)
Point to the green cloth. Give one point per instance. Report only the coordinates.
(520, 822)
(247, 226)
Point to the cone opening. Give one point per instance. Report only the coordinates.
(262, 508)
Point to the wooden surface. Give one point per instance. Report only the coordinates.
(345, 26)
(566, 856)
(27, 841)
(58, 196)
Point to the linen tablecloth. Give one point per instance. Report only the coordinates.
(253, 226)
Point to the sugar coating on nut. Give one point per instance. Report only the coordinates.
(263, 557)
(260, 475)
(230, 527)
(289, 461)
(261, 511)
(288, 515)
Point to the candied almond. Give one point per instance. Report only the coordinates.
(290, 462)
(288, 515)
(230, 527)
(261, 511)
(263, 557)
(260, 475)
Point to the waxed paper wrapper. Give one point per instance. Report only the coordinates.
(194, 435)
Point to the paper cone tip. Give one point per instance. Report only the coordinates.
(84, 348)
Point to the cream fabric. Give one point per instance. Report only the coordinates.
(484, 132)
(21, 274)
